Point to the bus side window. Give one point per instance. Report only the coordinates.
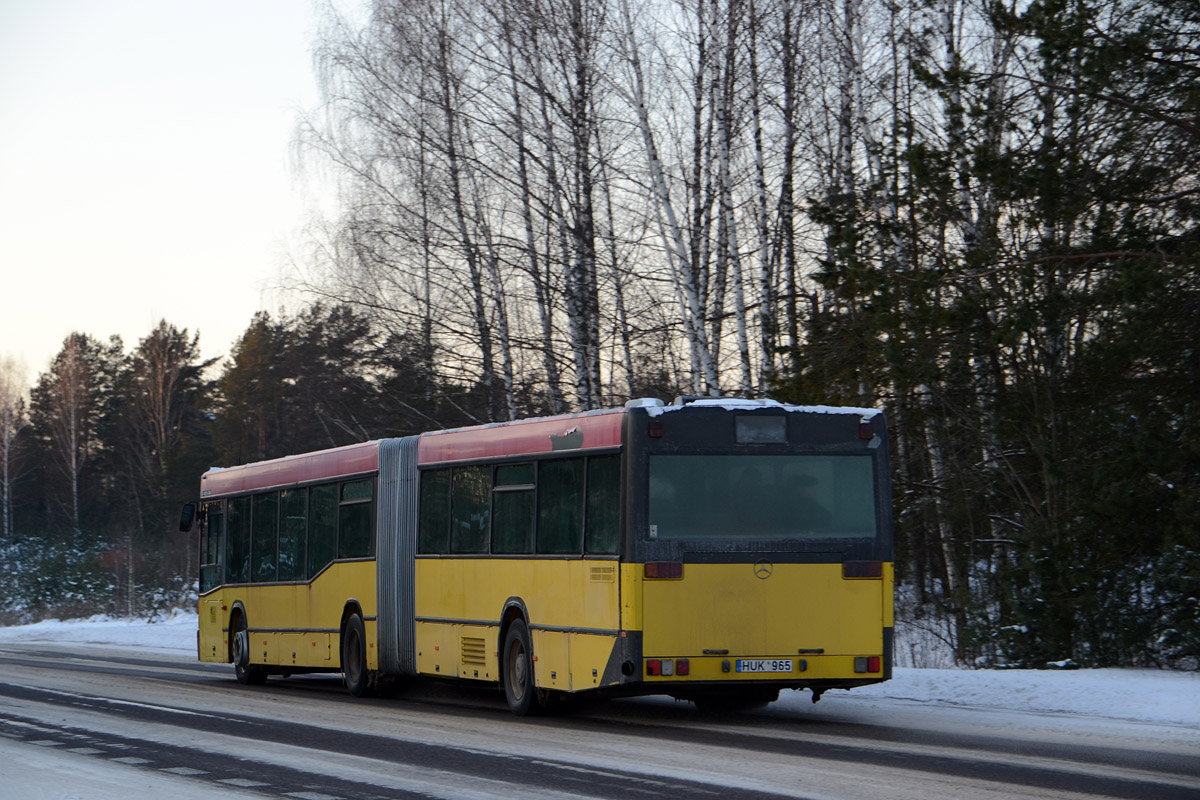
(602, 520)
(293, 525)
(560, 507)
(238, 540)
(512, 509)
(470, 507)
(434, 525)
(264, 542)
(322, 527)
(212, 546)
(354, 520)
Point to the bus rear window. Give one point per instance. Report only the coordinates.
(745, 497)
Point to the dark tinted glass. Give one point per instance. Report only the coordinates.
(354, 532)
(322, 527)
(434, 537)
(238, 540)
(512, 523)
(212, 546)
(356, 490)
(603, 504)
(212, 536)
(471, 489)
(762, 497)
(293, 533)
(560, 507)
(514, 475)
(266, 533)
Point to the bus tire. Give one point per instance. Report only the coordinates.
(245, 672)
(354, 657)
(520, 689)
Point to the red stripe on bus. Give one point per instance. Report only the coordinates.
(353, 459)
(523, 437)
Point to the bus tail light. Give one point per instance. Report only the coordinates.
(866, 430)
(868, 664)
(667, 667)
(862, 569)
(663, 570)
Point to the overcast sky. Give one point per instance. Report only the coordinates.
(145, 150)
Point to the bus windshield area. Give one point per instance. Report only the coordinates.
(746, 497)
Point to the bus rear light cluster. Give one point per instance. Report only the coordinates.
(868, 664)
(862, 569)
(663, 570)
(668, 666)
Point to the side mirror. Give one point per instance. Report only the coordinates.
(187, 517)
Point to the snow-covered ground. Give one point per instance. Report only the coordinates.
(1171, 698)
(177, 632)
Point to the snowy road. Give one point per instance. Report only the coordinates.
(98, 722)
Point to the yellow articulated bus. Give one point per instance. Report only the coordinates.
(716, 550)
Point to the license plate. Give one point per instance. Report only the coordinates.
(764, 665)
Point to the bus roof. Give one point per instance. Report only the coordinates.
(354, 459)
(587, 430)
(744, 404)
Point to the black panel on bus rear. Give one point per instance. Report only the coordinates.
(710, 430)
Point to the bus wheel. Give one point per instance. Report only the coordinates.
(354, 657)
(247, 673)
(519, 687)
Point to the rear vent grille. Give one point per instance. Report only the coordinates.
(472, 650)
(605, 574)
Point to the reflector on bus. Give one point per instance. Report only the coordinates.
(862, 569)
(663, 570)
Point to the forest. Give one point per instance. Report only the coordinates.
(978, 215)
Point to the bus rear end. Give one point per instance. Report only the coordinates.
(759, 550)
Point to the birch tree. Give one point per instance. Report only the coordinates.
(12, 420)
(71, 406)
(667, 220)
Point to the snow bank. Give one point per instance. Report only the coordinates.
(1135, 694)
(1132, 694)
(176, 632)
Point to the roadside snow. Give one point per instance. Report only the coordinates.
(1132, 694)
(176, 632)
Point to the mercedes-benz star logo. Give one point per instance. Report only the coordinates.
(763, 570)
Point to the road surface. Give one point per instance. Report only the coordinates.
(95, 722)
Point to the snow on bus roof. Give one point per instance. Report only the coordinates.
(747, 404)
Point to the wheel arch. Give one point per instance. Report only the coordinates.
(237, 610)
(351, 607)
(514, 609)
